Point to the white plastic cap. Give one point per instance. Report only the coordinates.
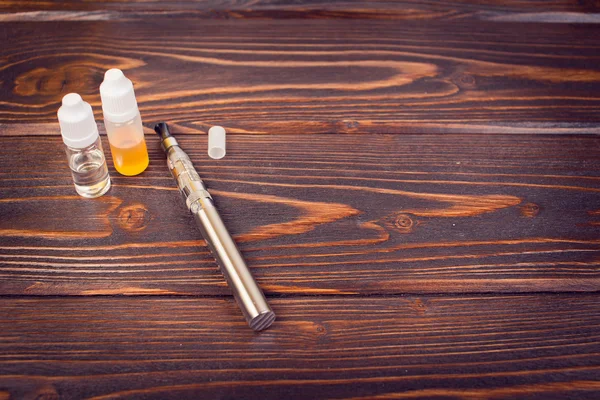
(77, 125)
(216, 142)
(118, 98)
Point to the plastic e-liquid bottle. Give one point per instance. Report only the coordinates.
(83, 147)
(123, 124)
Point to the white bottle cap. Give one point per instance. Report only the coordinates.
(216, 142)
(77, 125)
(118, 98)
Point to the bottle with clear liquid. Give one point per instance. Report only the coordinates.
(83, 147)
(123, 124)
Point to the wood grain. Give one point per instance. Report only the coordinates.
(310, 76)
(492, 347)
(377, 9)
(329, 215)
(400, 265)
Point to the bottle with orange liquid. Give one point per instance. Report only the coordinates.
(123, 124)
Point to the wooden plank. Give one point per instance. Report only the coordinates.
(379, 9)
(526, 347)
(329, 215)
(310, 76)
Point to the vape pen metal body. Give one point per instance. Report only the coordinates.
(248, 295)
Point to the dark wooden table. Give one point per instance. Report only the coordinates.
(415, 185)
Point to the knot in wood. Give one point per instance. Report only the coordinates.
(134, 218)
(63, 78)
(464, 81)
(530, 210)
(404, 223)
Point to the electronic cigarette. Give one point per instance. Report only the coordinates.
(248, 295)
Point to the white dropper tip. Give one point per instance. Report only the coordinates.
(113, 74)
(118, 97)
(72, 100)
(216, 142)
(77, 124)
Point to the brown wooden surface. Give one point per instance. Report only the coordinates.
(531, 10)
(311, 76)
(400, 347)
(448, 247)
(457, 213)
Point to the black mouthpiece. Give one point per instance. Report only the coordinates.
(162, 129)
